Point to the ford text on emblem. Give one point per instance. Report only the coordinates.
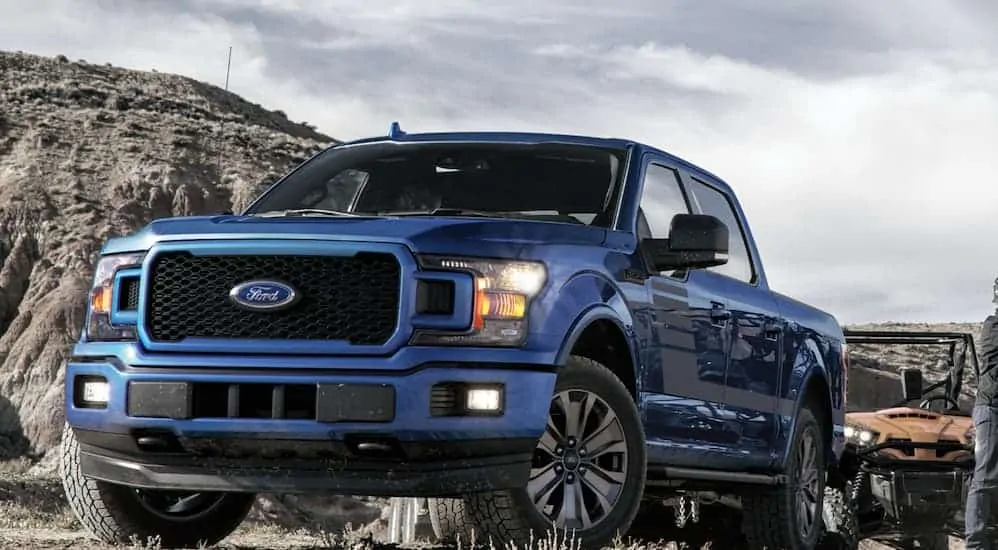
(263, 295)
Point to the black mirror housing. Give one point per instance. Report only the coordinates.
(695, 241)
(911, 384)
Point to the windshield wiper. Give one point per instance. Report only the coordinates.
(305, 212)
(446, 212)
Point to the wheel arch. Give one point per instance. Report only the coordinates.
(599, 333)
(814, 393)
(811, 389)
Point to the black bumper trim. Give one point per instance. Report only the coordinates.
(438, 468)
(442, 479)
(321, 402)
(273, 447)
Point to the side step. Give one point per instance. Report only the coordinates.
(667, 476)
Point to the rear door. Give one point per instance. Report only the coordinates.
(685, 359)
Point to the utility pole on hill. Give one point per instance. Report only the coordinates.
(221, 121)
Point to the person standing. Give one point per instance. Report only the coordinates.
(982, 499)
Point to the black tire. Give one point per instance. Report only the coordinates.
(770, 518)
(117, 514)
(841, 521)
(512, 517)
(450, 523)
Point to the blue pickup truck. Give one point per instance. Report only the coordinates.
(536, 332)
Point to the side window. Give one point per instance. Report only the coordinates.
(716, 204)
(662, 199)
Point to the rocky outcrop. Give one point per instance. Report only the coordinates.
(88, 152)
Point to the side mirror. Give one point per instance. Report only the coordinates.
(695, 241)
(911, 384)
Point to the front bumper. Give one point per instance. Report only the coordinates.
(442, 469)
(349, 432)
(913, 495)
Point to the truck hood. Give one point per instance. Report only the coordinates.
(423, 234)
(917, 426)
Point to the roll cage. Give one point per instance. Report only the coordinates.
(961, 350)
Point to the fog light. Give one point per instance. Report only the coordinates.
(483, 399)
(96, 392)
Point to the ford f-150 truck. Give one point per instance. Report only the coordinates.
(536, 332)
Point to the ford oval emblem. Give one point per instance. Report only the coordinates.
(263, 295)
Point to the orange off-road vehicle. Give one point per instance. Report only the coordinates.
(909, 464)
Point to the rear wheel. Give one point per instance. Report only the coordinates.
(588, 473)
(789, 516)
(117, 514)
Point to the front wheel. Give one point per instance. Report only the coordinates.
(588, 472)
(117, 514)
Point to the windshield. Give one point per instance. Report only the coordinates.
(876, 368)
(552, 182)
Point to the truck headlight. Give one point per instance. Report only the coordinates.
(860, 436)
(503, 290)
(99, 326)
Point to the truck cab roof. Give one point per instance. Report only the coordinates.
(397, 136)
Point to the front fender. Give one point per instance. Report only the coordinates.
(586, 298)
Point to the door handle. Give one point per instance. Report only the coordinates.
(718, 312)
(773, 330)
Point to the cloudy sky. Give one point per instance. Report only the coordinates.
(861, 137)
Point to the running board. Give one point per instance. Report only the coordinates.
(667, 475)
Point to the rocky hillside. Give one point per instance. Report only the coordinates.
(89, 151)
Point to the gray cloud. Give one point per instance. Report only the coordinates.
(858, 135)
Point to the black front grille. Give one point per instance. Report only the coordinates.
(355, 299)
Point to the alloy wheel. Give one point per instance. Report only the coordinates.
(580, 463)
(808, 485)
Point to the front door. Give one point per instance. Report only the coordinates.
(686, 357)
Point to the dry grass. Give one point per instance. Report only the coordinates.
(34, 515)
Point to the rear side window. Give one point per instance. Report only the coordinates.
(716, 204)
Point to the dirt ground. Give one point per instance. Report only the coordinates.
(34, 516)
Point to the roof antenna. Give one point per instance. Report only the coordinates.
(395, 130)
